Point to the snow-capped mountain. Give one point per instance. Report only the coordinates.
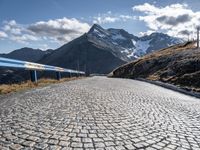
(101, 50)
(127, 46)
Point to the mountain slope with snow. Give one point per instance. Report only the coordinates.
(101, 50)
(127, 46)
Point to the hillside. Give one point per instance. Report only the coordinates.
(26, 54)
(178, 65)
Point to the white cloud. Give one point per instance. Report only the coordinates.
(3, 34)
(127, 17)
(58, 30)
(175, 19)
(25, 38)
(44, 47)
(103, 20)
(109, 17)
(12, 27)
(146, 33)
(62, 30)
(17, 32)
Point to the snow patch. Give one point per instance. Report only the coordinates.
(142, 46)
(115, 43)
(118, 36)
(133, 41)
(131, 54)
(139, 50)
(99, 34)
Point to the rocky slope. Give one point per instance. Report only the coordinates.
(179, 65)
(83, 54)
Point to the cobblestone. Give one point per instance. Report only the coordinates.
(99, 113)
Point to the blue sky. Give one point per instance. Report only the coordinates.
(50, 23)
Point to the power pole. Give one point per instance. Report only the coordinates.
(198, 37)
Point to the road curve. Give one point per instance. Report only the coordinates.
(100, 113)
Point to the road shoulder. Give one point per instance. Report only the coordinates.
(171, 87)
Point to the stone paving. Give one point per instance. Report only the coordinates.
(100, 113)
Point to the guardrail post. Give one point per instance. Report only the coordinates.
(70, 75)
(58, 75)
(77, 74)
(198, 28)
(33, 75)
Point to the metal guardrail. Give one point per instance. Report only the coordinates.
(34, 67)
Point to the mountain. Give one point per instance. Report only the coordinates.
(127, 46)
(101, 50)
(82, 53)
(178, 65)
(27, 54)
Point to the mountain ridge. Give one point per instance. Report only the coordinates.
(130, 46)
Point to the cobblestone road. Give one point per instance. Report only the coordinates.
(100, 113)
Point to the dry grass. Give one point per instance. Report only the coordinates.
(166, 52)
(153, 77)
(8, 88)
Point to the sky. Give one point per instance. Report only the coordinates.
(48, 24)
